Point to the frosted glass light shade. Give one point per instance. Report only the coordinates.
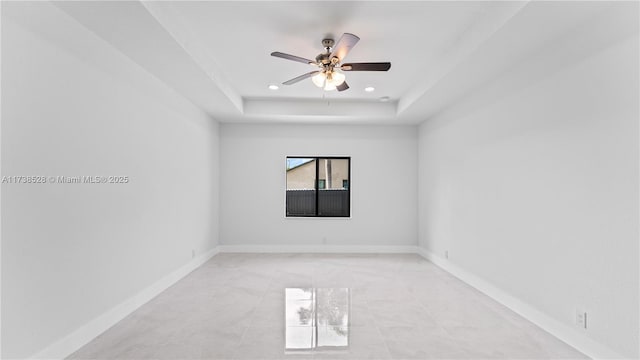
(337, 78)
(328, 80)
(329, 87)
(319, 79)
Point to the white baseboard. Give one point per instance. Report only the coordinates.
(83, 335)
(568, 334)
(329, 249)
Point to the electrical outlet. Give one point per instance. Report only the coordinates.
(581, 318)
(446, 254)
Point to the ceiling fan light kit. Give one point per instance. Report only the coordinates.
(330, 77)
(328, 80)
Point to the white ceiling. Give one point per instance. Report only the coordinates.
(217, 54)
(240, 36)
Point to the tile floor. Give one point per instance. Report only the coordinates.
(400, 307)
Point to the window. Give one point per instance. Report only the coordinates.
(318, 187)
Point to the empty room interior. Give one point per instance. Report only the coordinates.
(320, 180)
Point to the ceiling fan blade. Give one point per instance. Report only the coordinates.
(381, 66)
(301, 77)
(342, 47)
(342, 87)
(292, 57)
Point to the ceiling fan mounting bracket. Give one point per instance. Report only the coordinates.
(327, 43)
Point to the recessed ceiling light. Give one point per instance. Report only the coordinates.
(384, 99)
(369, 89)
(273, 87)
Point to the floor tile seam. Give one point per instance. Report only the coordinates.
(384, 341)
(235, 352)
(426, 310)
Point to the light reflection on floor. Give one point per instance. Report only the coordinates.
(316, 319)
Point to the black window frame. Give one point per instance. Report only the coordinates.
(317, 165)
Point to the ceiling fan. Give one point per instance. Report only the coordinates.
(330, 61)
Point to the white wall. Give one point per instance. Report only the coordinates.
(383, 185)
(74, 106)
(537, 193)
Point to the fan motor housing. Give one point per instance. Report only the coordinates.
(323, 59)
